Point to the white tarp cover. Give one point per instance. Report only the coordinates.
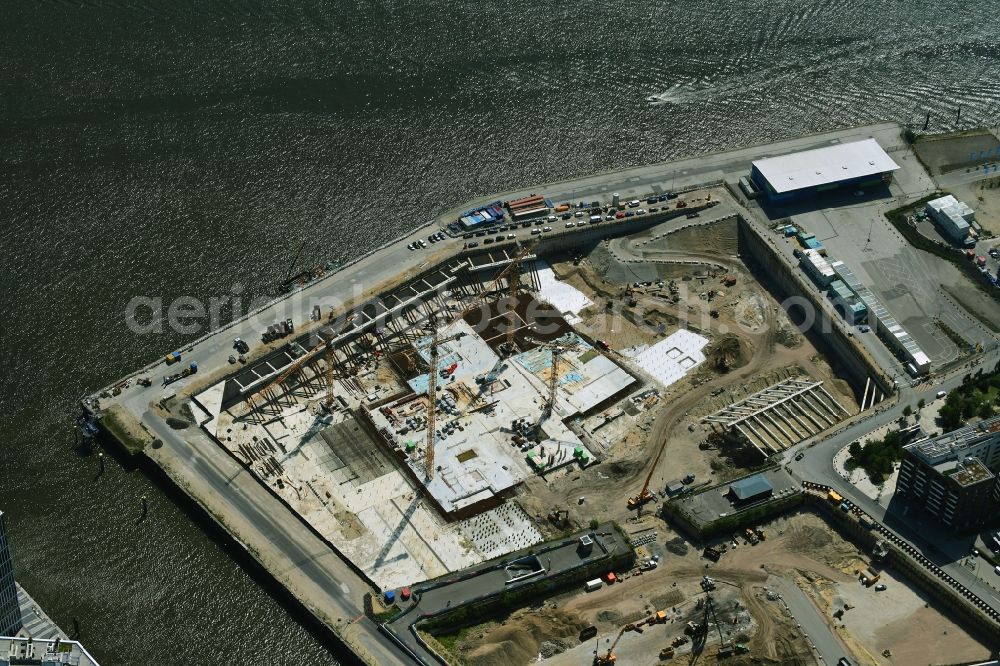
(671, 358)
(563, 297)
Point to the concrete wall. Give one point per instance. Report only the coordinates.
(851, 528)
(776, 273)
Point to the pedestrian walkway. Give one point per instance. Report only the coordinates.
(36, 623)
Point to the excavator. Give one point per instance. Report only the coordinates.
(610, 657)
(644, 495)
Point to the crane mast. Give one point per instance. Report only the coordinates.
(431, 404)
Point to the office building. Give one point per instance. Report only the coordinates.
(951, 477)
(10, 610)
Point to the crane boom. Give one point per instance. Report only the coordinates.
(431, 405)
(553, 379)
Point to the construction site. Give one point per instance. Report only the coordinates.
(496, 398)
(760, 602)
(401, 433)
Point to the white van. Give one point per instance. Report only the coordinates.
(942, 394)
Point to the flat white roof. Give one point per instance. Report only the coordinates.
(672, 357)
(825, 165)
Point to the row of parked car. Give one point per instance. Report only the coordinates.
(433, 238)
(595, 211)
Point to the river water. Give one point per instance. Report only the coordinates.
(181, 147)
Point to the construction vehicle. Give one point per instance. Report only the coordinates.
(559, 518)
(610, 657)
(187, 372)
(144, 381)
(679, 641)
(667, 653)
(644, 496)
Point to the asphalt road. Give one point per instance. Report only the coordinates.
(936, 544)
(241, 497)
(811, 621)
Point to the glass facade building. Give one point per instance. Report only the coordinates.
(10, 611)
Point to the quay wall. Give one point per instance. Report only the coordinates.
(784, 281)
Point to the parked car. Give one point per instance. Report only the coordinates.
(547, 229)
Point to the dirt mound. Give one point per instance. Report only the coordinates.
(523, 636)
(609, 616)
(678, 546)
(672, 598)
(807, 538)
(788, 337)
(728, 352)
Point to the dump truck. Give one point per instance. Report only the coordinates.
(667, 653)
(870, 576)
(173, 357)
(834, 497)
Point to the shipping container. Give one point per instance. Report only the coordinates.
(533, 201)
(593, 585)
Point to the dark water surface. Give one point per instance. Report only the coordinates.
(180, 147)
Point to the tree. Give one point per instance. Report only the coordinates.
(985, 410)
(950, 416)
(855, 450)
(921, 403)
(907, 411)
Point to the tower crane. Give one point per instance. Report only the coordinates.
(553, 380)
(514, 281)
(432, 376)
(514, 267)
